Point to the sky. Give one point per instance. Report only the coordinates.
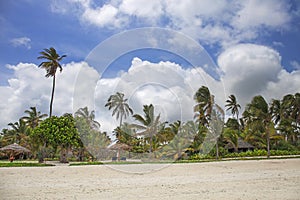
(158, 51)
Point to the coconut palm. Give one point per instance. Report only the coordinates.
(259, 115)
(276, 110)
(34, 117)
(149, 123)
(119, 106)
(88, 116)
(19, 131)
(233, 106)
(50, 65)
(209, 114)
(204, 104)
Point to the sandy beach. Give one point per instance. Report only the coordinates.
(261, 179)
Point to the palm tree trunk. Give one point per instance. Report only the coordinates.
(52, 96)
(121, 120)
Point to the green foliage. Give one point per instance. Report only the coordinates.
(23, 164)
(57, 131)
(86, 163)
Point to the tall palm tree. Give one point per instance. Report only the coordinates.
(233, 105)
(209, 114)
(259, 114)
(204, 105)
(34, 117)
(88, 116)
(119, 106)
(50, 65)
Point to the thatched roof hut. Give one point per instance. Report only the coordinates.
(241, 147)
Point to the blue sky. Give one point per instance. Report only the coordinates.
(259, 31)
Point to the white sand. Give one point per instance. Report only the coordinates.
(265, 179)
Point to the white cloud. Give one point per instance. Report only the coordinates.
(22, 41)
(142, 8)
(251, 70)
(102, 16)
(211, 22)
(248, 70)
(29, 87)
(295, 64)
(257, 14)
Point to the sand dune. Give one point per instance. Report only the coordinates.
(264, 179)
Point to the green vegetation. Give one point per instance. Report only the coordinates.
(264, 129)
(23, 164)
(86, 163)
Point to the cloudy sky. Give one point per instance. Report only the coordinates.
(158, 51)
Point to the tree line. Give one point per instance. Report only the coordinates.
(274, 125)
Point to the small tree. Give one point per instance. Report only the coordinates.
(58, 132)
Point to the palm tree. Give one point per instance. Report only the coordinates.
(50, 65)
(209, 114)
(119, 106)
(19, 130)
(259, 114)
(34, 117)
(276, 110)
(289, 124)
(88, 116)
(149, 124)
(204, 105)
(233, 106)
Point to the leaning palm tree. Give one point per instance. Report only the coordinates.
(50, 65)
(34, 117)
(204, 104)
(119, 106)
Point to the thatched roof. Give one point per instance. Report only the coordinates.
(118, 146)
(15, 148)
(241, 145)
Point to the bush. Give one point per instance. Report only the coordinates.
(284, 145)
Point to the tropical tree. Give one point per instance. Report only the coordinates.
(19, 131)
(119, 106)
(276, 110)
(34, 117)
(88, 116)
(58, 132)
(50, 65)
(289, 123)
(260, 118)
(149, 124)
(209, 115)
(233, 105)
(204, 104)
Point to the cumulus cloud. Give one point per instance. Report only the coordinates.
(248, 70)
(168, 86)
(22, 41)
(256, 14)
(212, 22)
(29, 87)
(251, 70)
(295, 64)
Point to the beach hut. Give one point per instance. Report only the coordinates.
(119, 146)
(13, 150)
(242, 146)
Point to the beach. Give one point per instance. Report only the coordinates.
(249, 179)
